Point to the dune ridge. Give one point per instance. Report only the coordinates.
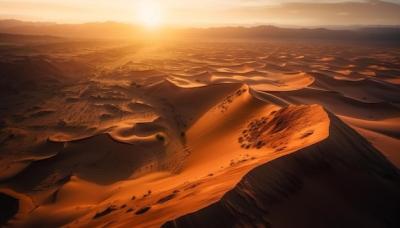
(284, 131)
(280, 189)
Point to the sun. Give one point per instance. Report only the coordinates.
(149, 14)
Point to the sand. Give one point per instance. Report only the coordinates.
(199, 134)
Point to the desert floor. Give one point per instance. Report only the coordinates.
(216, 134)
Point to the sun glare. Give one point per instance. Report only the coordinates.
(149, 14)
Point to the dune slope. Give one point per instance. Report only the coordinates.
(340, 171)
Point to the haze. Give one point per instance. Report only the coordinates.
(209, 13)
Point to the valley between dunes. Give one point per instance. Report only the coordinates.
(200, 135)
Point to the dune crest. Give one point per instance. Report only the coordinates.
(282, 187)
(273, 131)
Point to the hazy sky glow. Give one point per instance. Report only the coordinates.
(209, 12)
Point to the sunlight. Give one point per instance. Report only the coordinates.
(149, 14)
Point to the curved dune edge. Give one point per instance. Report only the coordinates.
(201, 180)
(202, 177)
(340, 170)
(258, 81)
(21, 206)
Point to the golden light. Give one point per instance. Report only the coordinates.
(149, 14)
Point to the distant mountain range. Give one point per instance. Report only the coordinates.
(114, 30)
(88, 30)
(262, 32)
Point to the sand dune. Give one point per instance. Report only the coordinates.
(205, 134)
(276, 132)
(334, 172)
(342, 105)
(367, 90)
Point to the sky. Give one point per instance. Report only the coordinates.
(207, 13)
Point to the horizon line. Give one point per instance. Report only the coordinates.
(233, 25)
